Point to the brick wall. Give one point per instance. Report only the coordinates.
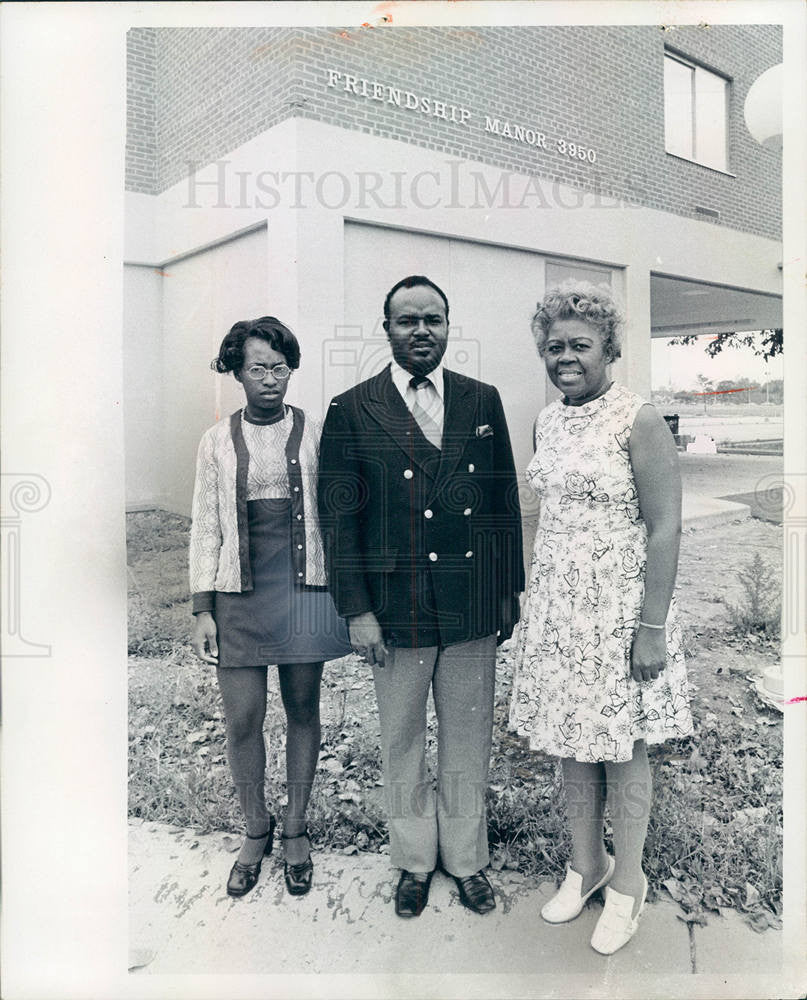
(599, 87)
(141, 147)
(217, 88)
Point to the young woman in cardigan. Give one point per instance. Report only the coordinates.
(258, 583)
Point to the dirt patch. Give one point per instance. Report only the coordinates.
(710, 562)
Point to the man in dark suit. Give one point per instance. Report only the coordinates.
(418, 502)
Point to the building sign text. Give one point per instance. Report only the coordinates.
(407, 100)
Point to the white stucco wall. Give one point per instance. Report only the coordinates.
(203, 296)
(307, 181)
(142, 386)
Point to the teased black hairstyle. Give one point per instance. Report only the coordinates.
(279, 337)
(411, 282)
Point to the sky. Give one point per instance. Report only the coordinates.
(679, 366)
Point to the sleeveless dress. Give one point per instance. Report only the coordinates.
(276, 621)
(573, 693)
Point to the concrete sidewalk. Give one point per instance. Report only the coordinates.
(182, 921)
(706, 479)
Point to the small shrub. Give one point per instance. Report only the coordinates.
(760, 607)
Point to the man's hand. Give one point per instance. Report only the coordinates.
(203, 639)
(510, 614)
(649, 654)
(366, 638)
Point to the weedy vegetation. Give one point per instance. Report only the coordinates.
(759, 610)
(715, 836)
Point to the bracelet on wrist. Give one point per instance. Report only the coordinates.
(648, 625)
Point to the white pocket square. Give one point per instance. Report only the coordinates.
(484, 431)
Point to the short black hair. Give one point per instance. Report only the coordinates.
(411, 282)
(279, 337)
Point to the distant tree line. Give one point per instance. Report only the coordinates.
(766, 392)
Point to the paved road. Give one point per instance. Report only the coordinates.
(733, 428)
(722, 475)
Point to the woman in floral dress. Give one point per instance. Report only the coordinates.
(600, 671)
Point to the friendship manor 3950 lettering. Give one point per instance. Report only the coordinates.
(385, 93)
(375, 91)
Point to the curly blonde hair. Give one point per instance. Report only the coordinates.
(580, 300)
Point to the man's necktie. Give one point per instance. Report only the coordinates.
(425, 400)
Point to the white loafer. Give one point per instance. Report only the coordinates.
(568, 901)
(616, 925)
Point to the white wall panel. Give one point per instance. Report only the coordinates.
(142, 384)
(203, 296)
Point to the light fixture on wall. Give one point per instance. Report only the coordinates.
(763, 108)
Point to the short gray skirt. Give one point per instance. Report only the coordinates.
(276, 622)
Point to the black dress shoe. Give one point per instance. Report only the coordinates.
(476, 892)
(412, 894)
(298, 877)
(242, 876)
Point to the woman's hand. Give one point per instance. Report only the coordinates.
(203, 639)
(648, 654)
(511, 612)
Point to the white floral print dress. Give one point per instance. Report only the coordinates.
(573, 693)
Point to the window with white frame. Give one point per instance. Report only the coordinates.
(695, 112)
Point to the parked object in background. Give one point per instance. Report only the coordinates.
(704, 444)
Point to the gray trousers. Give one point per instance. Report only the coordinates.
(452, 818)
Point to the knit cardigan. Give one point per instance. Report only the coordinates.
(219, 546)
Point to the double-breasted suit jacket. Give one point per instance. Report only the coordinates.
(428, 539)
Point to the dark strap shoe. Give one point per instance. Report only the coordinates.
(298, 877)
(243, 876)
(412, 893)
(476, 892)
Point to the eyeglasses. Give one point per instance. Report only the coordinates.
(258, 372)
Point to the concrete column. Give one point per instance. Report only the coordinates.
(633, 368)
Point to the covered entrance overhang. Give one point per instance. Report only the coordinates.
(682, 307)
